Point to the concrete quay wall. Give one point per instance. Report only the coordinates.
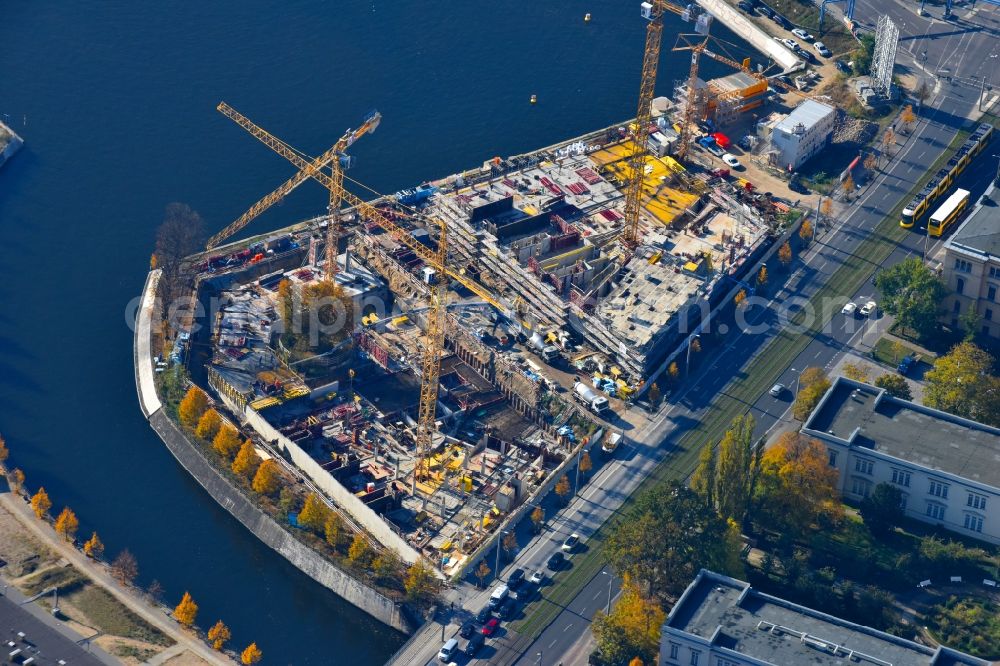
(233, 500)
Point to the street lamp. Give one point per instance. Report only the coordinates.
(499, 544)
(611, 580)
(798, 374)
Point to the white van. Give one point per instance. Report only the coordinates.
(448, 650)
(500, 593)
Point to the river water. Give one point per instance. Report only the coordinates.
(116, 101)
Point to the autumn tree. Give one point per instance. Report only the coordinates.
(509, 543)
(670, 535)
(856, 371)
(734, 469)
(251, 655)
(180, 234)
(538, 518)
(125, 568)
(912, 293)
(421, 584)
(785, 254)
(871, 162)
(762, 277)
(386, 566)
(483, 572)
(218, 635)
(186, 611)
(894, 385)
(67, 524)
(192, 407)
(17, 481)
(888, 140)
(654, 394)
(848, 185)
(826, 208)
(797, 486)
(586, 464)
(882, 511)
(208, 425)
(703, 478)
(907, 116)
(94, 547)
(313, 513)
(246, 462)
(635, 662)
(740, 298)
(267, 480)
(673, 371)
(813, 383)
(227, 441)
(40, 504)
(333, 530)
(4, 452)
(562, 488)
(360, 552)
(632, 630)
(961, 382)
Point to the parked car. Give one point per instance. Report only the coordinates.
(781, 20)
(745, 6)
(507, 609)
(790, 43)
(522, 593)
(516, 578)
(720, 173)
(869, 309)
(448, 650)
(906, 364)
(538, 577)
(849, 309)
(799, 32)
(468, 628)
(777, 390)
(843, 66)
(475, 642)
(555, 561)
(484, 614)
(822, 50)
(765, 11)
(731, 160)
(570, 543)
(795, 185)
(490, 627)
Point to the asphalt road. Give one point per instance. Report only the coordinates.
(943, 114)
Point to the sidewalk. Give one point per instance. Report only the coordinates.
(99, 574)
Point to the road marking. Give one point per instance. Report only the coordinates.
(567, 628)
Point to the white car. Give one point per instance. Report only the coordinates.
(869, 309)
(790, 43)
(802, 34)
(777, 390)
(849, 309)
(731, 160)
(570, 543)
(822, 50)
(538, 577)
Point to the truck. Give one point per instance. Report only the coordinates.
(550, 354)
(588, 396)
(611, 442)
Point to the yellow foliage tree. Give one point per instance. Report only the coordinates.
(313, 514)
(421, 584)
(856, 371)
(483, 572)
(360, 551)
(562, 487)
(40, 504)
(586, 464)
(806, 231)
(4, 451)
(848, 185)
(208, 425)
(813, 383)
(537, 518)
(908, 117)
(762, 276)
(333, 529)
(785, 254)
(673, 370)
(17, 481)
(218, 635)
(632, 630)
(186, 611)
(67, 524)
(267, 480)
(251, 655)
(193, 405)
(227, 441)
(635, 662)
(741, 297)
(826, 208)
(796, 485)
(94, 547)
(246, 461)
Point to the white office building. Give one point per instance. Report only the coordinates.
(801, 134)
(947, 467)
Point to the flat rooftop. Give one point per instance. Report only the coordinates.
(733, 615)
(808, 113)
(981, 229)
(867, 417)
(41, 642)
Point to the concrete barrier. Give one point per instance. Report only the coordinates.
(746, 29)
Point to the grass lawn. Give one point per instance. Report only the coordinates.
(65, 578)
(105, 613)
(891, 352)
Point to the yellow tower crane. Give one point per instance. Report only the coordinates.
(335, 158)
(653, 12)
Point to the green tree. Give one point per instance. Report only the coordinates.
(734, 469)
(813, 383)
(797, 486)
(882, 510)
(912, 293)
(631, 631)
(862, 56)
(386, 566)
(703, 479)
(894, 385)
(960, 382)
(670, 535)
(421, 584)
(970, 322)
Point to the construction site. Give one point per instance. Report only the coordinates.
(439, 356)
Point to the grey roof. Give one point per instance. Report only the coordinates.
(864, 416)
(981, 229)
(808, 113)
(43, 643)
(732, 615)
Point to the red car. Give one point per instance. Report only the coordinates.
(491, 626)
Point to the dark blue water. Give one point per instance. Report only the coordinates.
(116, 101)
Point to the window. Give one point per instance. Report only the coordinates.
(861, 487)
(976, 501)
(991, 292)
(935, 511)
(962, 265)
(674, 648)
(902, 501)
(863, 466)
(901, 478)
(959, 288)
(986, 329)
(938, 489)
(833, 458)
(973, 522)
(988, 314)
(994, 272)
(694, 657)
